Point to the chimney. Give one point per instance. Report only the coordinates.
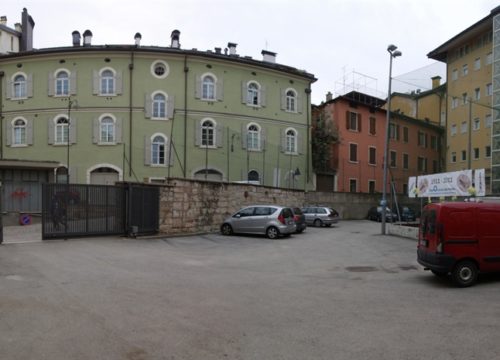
(137, 38)
(27, 25)
(268, 56)
(232, 48)
(76, 38)
(218, 50)
(436, 81)
(87, 38)
(175, 39)
(329, 96)
(3, 20)
(18, 27)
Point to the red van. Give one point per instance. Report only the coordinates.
(461, 238)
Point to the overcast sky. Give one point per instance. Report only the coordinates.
(341, 42)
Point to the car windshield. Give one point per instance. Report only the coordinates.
(287, 213)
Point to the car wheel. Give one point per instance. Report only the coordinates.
(272, 232)
(226, 229)
(318, 223)
(464, 273)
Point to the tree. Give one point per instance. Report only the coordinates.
(324, 135)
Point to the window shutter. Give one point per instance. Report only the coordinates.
(219, 137)
(197, 87)
(29, 86)
(283, 99)
(72, 131)
(243, 92)
(50, 131)
(51, 85)
(8, 89)
(170, 106)
(72, 83)
(359, 122)
(29, 132)
(95, 82)
(220, 90)
(170, 153)
(300, 149)
(244, 134)
(262, 139)
(197, 133)
(8, 132)
(347, 118)
(118, 130)
(119, 83)
(95, 131)
(299, 104)
(148, 106)
(263, 96)
(283, 140)
(147, 150)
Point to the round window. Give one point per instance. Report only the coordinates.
(159, 69)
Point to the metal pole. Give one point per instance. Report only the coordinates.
(469, 144)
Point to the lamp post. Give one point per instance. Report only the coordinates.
(392, 54)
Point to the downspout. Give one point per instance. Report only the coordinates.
(308, 135)
(186, 70)
(130, 108)
(1, 114)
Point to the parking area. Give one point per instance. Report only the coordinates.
(344, 292)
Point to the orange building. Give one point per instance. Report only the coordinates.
(354, 160)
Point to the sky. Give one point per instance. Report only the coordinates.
(342, 42)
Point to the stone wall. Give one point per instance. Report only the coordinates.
(196, 206)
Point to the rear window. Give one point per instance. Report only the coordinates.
(287, 213)
(428, 222)
(297, 211)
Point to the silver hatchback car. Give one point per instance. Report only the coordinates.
(271, 220)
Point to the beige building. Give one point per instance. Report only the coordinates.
(469, 57)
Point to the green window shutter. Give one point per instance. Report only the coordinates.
(72, 82)
(95, 131)
(147, 150)
(118, 130)
(220, 90)
(170, 106)
(219, 137)
(51, 85)
(29, 132)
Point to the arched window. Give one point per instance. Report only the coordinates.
(19, 132)
(107, 82)
(107, 130)
(253, 137)
(291, 101)
(291, 141)
(19, 86)
(208, 88)
(62, 83)
(253, 175)
(253, 94)
(158, 150)
(62, 130)
(207, 133)
(159, 105)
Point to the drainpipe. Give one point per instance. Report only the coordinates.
(131, 70)
(186, 70)
(308, 134)
(1, 114)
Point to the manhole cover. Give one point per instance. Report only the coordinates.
(361, 268)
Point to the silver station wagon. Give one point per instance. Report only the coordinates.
(271, 220)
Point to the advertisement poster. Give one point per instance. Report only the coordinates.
(457, 183)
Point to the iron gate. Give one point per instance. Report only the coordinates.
(75, 210)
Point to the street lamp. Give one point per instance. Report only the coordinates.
(392, 54)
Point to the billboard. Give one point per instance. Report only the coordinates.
(457, 183)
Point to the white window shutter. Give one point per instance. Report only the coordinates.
(170, 106)
(8, 132)
(72, 83)
(118, 131)
(29, 86)
(119, 83)
(50, 131)
(220, 90)
(147, 150)
(299, 104)
(95, 82)
(300, 149)
(244, 92)
(244, 135)
(197, 133)
(72, 131)
(29, 132)
(95, 131)
(263, 96)
(148, 106)
(170, 154)
(197, 87)
(283, 99)
(262, 139)
(219, 137)
(51, 85)
(283, 140)
(8, 89)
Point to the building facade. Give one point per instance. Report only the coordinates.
(472, 58)
(358, 123)
(143, 113)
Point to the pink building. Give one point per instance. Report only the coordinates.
(354, 162)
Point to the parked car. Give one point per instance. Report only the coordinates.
(271, 220)
(405, 212)
(375, 214)
(300, 219)
(320, 215)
